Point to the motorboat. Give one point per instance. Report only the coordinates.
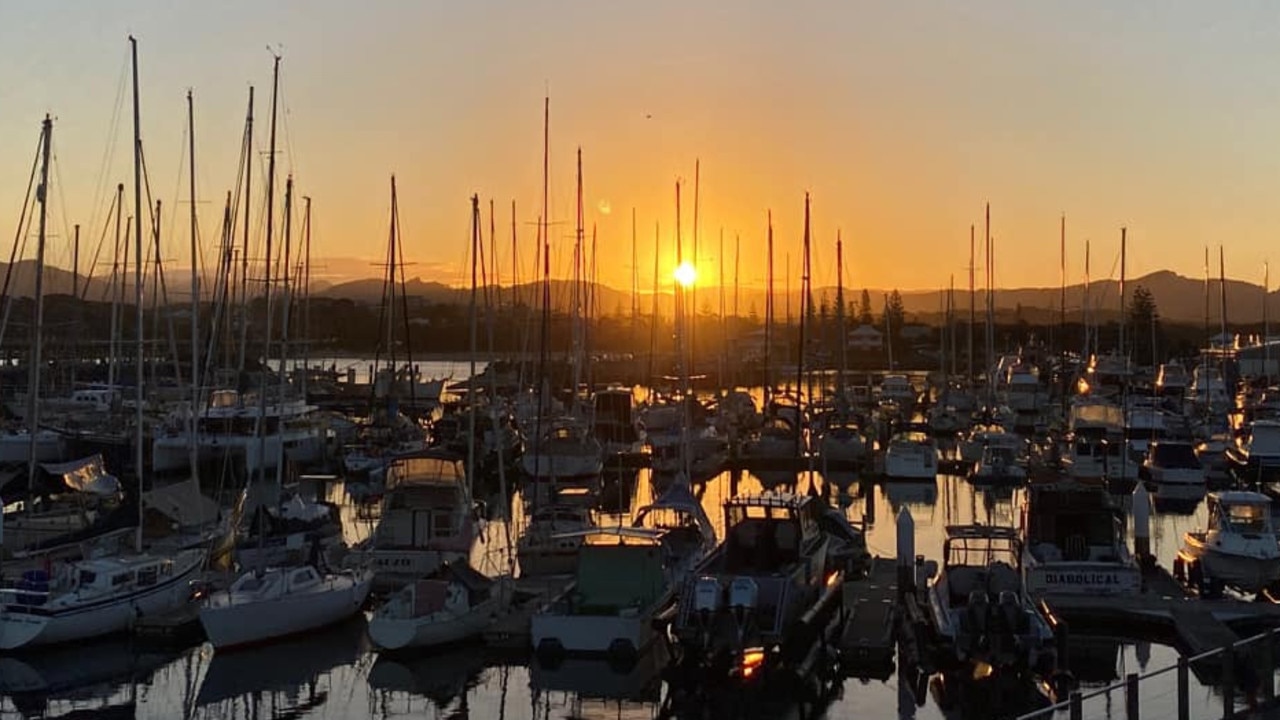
(567, 452)
(978, 603)
(1256, 456)
(897, 388)
(739, 607)
(264, 605)
(984, 436)
(1022, 391)
(1073, 540)
(1085, 457)
(549, 545)
(999, 464)
(911, 456)
(1171, 380)
(624, 578)
(427, 519)
(454, 605)
(93, 598)
(1170, 462)
(1239, 546)
(841, 443)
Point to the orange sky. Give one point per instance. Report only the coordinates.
(901, 119)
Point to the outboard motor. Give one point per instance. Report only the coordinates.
(743, 595)
(706, 598)
(974, 624)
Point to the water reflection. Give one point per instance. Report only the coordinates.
(334, 674)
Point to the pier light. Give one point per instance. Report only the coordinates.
(686, 274)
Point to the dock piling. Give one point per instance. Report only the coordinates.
(1077, 705)
(1141, 523)
(1131, 697)
(1184, 688)
(1228, 681)
(906, 552)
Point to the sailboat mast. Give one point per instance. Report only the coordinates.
(471, 375)
(261, 425)
(1266, 322)
(693, 290)
(1222, 290)
(139, 375)
(1062, 286)
(37, 327)
(1123, 319)
(635, 281)
(244, 243)
(306, 295)
(973, 310)
(768, 312)
(192, 446)
(117, 291)
(804, 294)
(842, 343)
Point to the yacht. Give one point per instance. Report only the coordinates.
(92, 598)
(978, 603)
(229, 424)
(1170, 462)
(1171, 380)
(427, 519)
(841, 443)
(897, 389)
(550, 544)
(911, 456)
(614, 413)
(1239, 547)
(566, 453)
(1208, 390)
(1022, 392)
(1073, 542)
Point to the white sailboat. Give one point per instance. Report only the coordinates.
(454, 605)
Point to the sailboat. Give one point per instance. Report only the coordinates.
(841, 443)
(101, 596)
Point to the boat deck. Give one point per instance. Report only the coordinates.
(871, 612)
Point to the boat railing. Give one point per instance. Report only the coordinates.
(1242, 674)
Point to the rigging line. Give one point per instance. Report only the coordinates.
(288, 135)
(109, 147)
(102, 239)
(58, 185)
(23, 222)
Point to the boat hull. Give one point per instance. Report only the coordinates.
(1243, 572)
(32, 626)
(591, 635)
(404, 633)
(230, 624)
(1081, 578)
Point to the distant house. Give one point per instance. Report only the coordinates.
(865, 338)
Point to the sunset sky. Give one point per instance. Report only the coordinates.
(900, 118)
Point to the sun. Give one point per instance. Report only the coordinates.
(686, 274)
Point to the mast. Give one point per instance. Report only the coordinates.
(804, 294)
(693, 291)
(635, 281)
(137, 285)
(117, 292)
(1266, 322)
(244, 247)
(260, 426)
(286, 310)
(471, 375)
(1062, 286)
(579, 276)
(724, 321)
(987, 256)
(515, 265)
(1222, 291)
(973, 314)
(682, 370)
(768, 313)
(192, 445)
(37, 327)
(844, 338)
(1122, 317)
(306, 295)
(1086, 311)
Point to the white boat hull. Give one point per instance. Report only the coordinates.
(1080, 578)
(228, 623)
(432, 631)
(591, 634)
(16, 447)
(25, 626)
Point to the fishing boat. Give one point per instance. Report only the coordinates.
(978, 603)
(1073, 542)
(263, 605)
(1256, 456)
(1239, 546)
(92, 598)
(454, 605)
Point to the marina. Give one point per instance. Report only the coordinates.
(239, 482)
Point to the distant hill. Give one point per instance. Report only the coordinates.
(1178, 298)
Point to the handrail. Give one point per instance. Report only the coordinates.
(1123, 683)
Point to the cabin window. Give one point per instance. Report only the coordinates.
(442, 524)
(148, 576)
(88, 577)
(121, 579)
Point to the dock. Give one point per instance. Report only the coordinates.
(870, 608)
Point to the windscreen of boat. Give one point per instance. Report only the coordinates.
(1174, 456)
(1247, 518)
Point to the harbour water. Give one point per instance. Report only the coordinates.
(334, 673)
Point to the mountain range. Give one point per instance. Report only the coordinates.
(1178, 298)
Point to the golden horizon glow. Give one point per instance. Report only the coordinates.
(685, 274)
